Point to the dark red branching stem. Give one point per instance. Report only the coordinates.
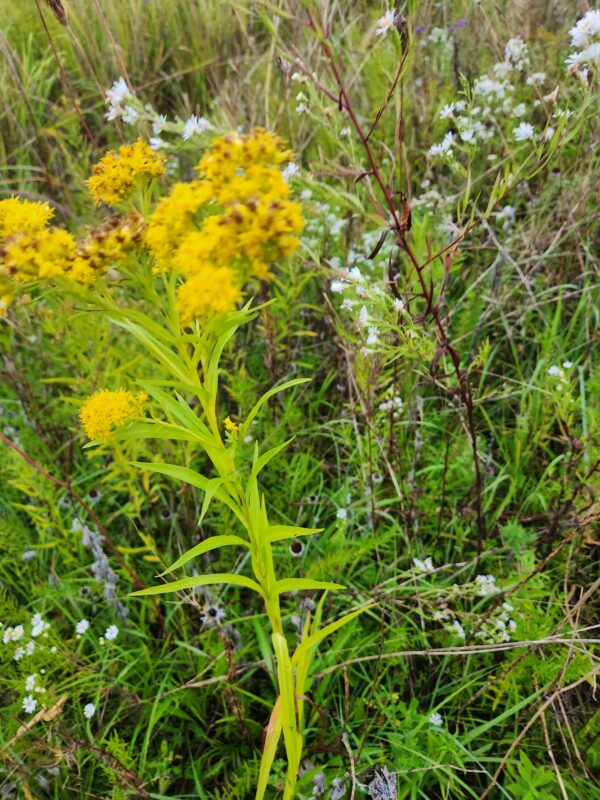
(400, 230)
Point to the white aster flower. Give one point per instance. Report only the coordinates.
(111, 633)
(195, 125)
(385, 23)
(301, 108)
(156, 143)
(447, 111)
(468, 135)
(115, 97)
(337, 286)
(587, 26)
(436, 720)
(373, 337)
(30, 682)
(341, 513)
(28, 555)
(29, 648)
(536, 77)
(458, 629)
(523, 132)
(29, 704)
(159, 124)
(555, 372)
(424, 566)
(19, 653)
(130, 115)
(82, 626)
(39, 628)
(290, 171)
(89, 710)
(345, 131)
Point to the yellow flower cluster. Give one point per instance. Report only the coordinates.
(230, 225)
(213, 290)
(115, 174)
(30, 251)
(107, 410)
(105, 246)
(173, 218)
(17, 216)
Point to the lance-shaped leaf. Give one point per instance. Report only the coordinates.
(150, 429)
(302, 584)
(180, 411)
(259, 404)
(200, 580)
(307, 644)
(272, 736)
(279, 532)
(164, 354)
(288, 706)
(188, 475)
(260, 462)
(214, 543)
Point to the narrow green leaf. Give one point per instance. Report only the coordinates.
(214, 543)
(272, 736)
(286, 690)
(188, 475)
(259, 404)
(302, 584)
(180, 411)
(279, 532)
(154, 430)
(306, 645)
(200, 580)
(262, 461)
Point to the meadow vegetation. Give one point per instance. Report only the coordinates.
(299, 399)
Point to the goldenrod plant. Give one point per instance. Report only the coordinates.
(205, 242)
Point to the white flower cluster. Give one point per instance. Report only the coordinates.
(486, 585)
(394, 405)
(123, 104)
(499, 627)
(118, 100)
(585, 38)
(560, 376)
(494, 101)
(16, 634)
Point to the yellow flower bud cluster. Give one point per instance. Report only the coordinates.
(229, 225)
(105, 411)
(116, 173)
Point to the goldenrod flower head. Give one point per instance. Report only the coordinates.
(107, 410)
(212, 292)
(105, 246)
(27, 257)
(116, 172)
(22, 216)
(240, 151)
(231, 426)
(173, 217)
